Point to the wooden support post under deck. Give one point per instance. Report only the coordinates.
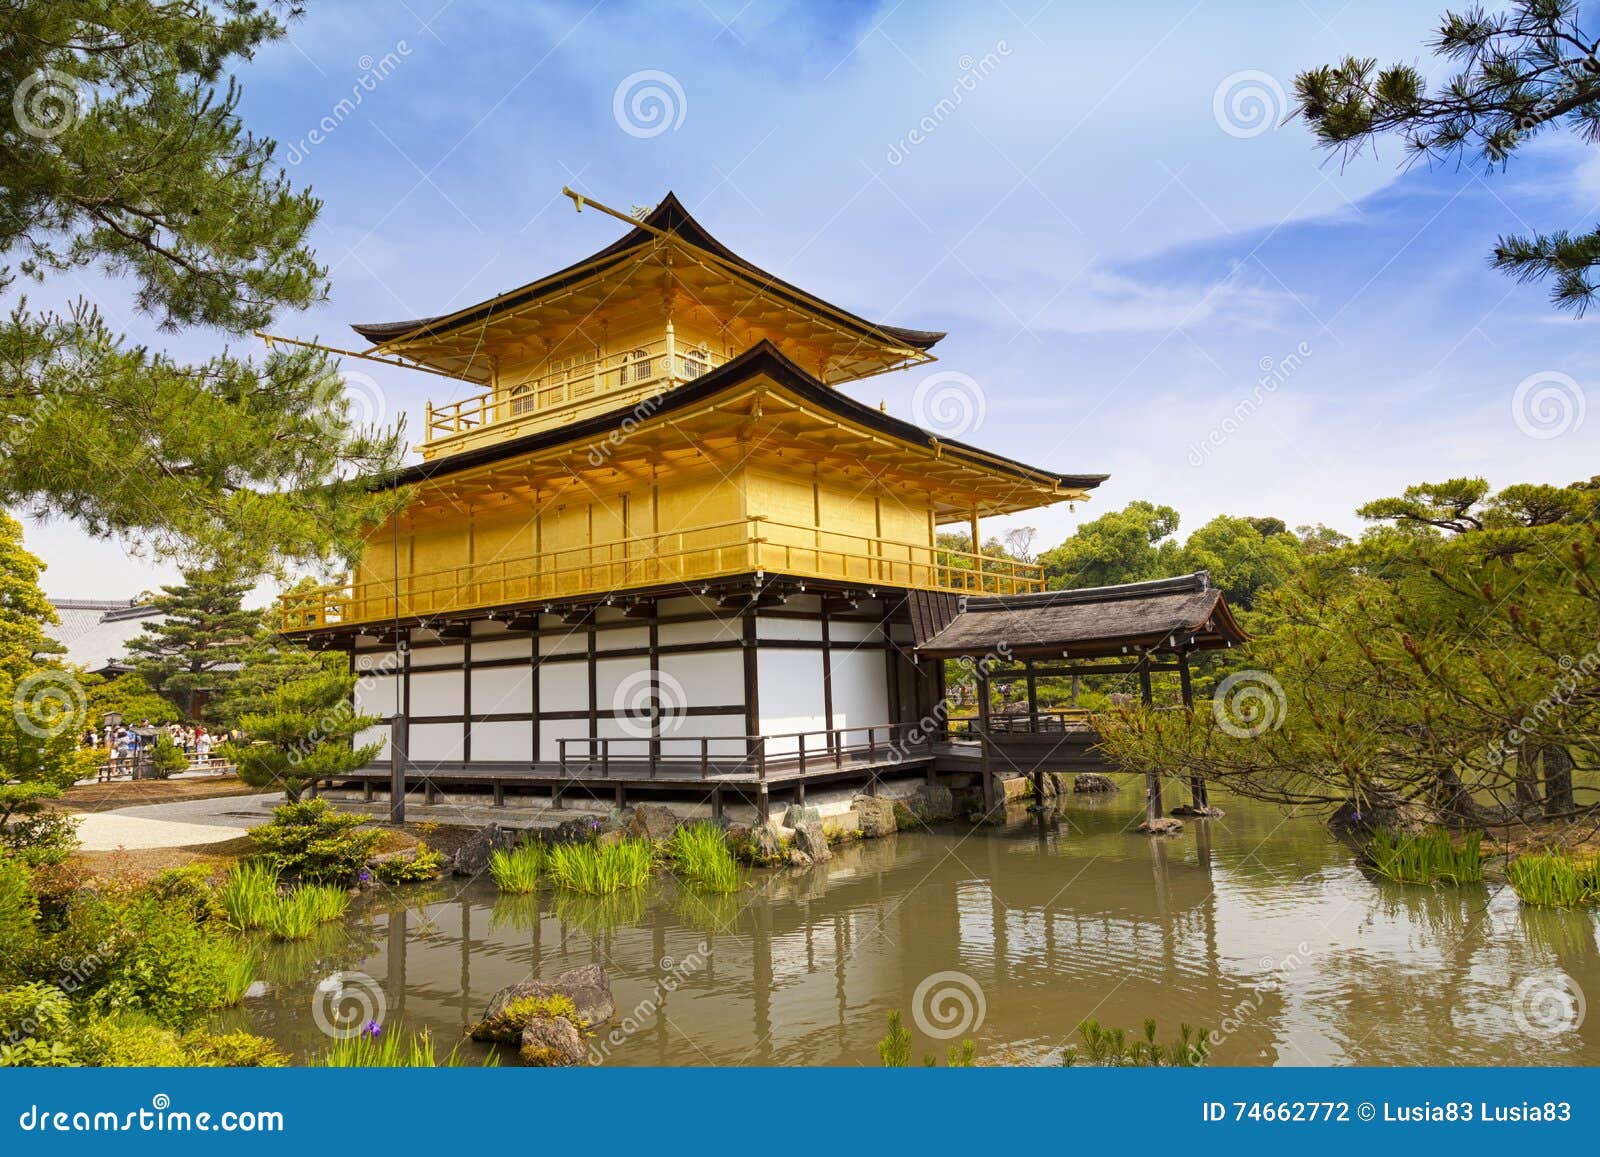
(499, 794)
(430, 793)
(1198, 795)
(366, 791)
(983, 741)
(1152, 781)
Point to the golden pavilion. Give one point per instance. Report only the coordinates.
(663, 544)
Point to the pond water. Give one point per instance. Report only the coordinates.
(1258, 926)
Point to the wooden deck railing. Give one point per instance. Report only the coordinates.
(677, 556)
(600, 383)
(750, 757)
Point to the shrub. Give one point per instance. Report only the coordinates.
(129, 1040)
(517, 869)
(19, 913)
(423, 864)
(29, 1053)
(167, 758)
(172, 968)
(310, 840)
(32, 832)
(233, 1050)
(36, 1010)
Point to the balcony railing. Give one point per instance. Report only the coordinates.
(576, 388)
(678, 556)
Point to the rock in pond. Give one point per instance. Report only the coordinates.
(875, 816)
(588, 988)
(1161, 826)
(1091, 783)
(651, 821)
(812, 841)
(472, 857)
(550, 1042)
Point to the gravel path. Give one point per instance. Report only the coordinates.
(108, 831)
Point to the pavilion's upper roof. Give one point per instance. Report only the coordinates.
(667, 253)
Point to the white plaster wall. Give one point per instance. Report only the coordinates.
(435, 742)
(375, 694)
(550, 730)
(435, 656)
(563, 687)
(436, 692)
(708, 631)
(501, 690)
(622, 638)
(512, 741)
(706, 678)
(790, 692)
(492, 648)
(860, 690)
(771, 628)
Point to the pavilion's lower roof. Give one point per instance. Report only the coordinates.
(999, 484)
(1185, 613)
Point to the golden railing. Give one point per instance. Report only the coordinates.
(678, 556)
(599, 383)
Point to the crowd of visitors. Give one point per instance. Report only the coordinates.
(124, 744)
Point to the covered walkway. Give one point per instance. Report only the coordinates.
(1138, 629)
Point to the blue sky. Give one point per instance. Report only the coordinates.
(1119, 249)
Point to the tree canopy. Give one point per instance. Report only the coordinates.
(200, 639)
(123, 153)
(1520, 72)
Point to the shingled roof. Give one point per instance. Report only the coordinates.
(1185, 613)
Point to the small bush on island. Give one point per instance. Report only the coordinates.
(310, 840)
(420, 866)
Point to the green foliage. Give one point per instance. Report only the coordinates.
(304, 733)
(1521, 70)
(1438, 664)
(129, 1040)
(1432, 857)
(127, 156)
(701, 858)
(310, 840)
(894, 1050)
(505, 1026)
(1112, 1047)
(32, 832)
(129, 696)
(248, 894)
(19, 915)
(233, 1050)
(203, 629)
(418, 866)
(170, 967)
(517, 869)
(390, 1051)
(1127, 545)
(296, 914)
(599, 869)
(167, 759)
(1554, 880)
(37, 1010)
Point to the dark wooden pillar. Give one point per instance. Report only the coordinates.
(1198, 795)
(983, 740)
(400, 737)
(1152, 781)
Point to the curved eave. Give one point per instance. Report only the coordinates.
(669, 216)
(761, 359)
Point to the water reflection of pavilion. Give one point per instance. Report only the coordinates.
(806, 966)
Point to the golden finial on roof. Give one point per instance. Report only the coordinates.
(883, 405)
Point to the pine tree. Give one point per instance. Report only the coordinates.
(304, 732)
(200, 640)
(122, 151)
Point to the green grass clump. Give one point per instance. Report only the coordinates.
(701, 858)
(238, 974)
(1430, 858)
(600, 869)
(1554, 880)
(297, 915)
(383, 1050)
(517, 869)
(248, 894)
(1112, 1047)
